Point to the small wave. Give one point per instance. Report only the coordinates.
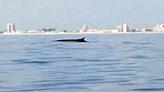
(37, 62)
(120, 81)
(139, 57)
(91, 80)
(72, 87)
(63, 57)
(158, 50)
(149, 89)
(97, 60)
(127, 84)
(130, 42)
(124, 74)
(158, 80)
(28, 61)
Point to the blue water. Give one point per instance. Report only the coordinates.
(107, 63)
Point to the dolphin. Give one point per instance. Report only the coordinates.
(72, 40)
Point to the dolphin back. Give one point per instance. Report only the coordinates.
(72, 40)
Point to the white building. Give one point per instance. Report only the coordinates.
(11, 28)
(104, 31)
(114, 31)
(120, 28)
(159, 28)
(93, 31)
(125, 27)
(83, 29)
(142, 30)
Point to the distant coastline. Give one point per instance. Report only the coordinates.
(80, 33)
(121, 29)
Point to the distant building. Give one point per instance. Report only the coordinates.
(11, 28)
(120, 28)
(50, 30)
(93, 31)
(125, 27)
(159, 28)
(114, 31)
(104, 31)
(146, 30)
(142, 30)
(83, 29)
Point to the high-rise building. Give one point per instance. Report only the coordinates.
(11, 28)
(125, 27)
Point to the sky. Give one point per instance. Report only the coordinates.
(72, 14)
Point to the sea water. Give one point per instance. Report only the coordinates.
(106, 63)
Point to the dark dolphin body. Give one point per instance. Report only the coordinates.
(72, 40)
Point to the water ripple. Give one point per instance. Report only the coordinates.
(109, 63)
(149, 89)
(139, 57)
(29, 61)
(138, 43)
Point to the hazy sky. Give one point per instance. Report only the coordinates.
(71, 14)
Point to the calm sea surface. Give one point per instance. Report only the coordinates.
(107, 63)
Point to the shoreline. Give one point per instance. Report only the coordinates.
(80, 33)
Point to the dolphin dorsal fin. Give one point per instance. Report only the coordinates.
(83, 38)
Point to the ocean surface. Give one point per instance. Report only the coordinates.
(106, 63)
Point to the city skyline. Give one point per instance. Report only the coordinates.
(70, 14)
(123, 28)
